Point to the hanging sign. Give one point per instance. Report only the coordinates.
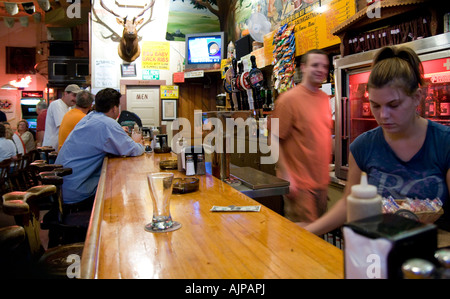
(313, 26)
(169, 92)
(156, 55)
(150, 74)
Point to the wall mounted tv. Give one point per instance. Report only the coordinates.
(204, 50)
(68, 69)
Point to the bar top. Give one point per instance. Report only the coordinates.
(209, 244)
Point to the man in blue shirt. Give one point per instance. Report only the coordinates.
(95, 136)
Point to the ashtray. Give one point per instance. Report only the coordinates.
(168, 164)
(162, 150)
(184, 185)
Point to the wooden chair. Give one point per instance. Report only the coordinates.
(27, 174)
(46, 150)
(15, 174)
(5, 185)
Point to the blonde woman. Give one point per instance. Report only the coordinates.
(25, 135)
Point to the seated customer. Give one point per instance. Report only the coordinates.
(7, 147)
(26, 136)
(82, 106)
(18, 143)
(406, 155)
(95, 136)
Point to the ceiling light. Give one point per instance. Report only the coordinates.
(9, 87)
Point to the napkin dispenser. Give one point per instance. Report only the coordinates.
(377, 246)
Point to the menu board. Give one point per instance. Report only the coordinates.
(269, 47)
(313, 25)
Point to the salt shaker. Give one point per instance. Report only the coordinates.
(417, 269)
(190, 167)
(443, 257)
(201, 164)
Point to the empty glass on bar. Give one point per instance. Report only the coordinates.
(160, 184)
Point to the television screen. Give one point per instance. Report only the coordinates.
(32, 123)
(204, 50)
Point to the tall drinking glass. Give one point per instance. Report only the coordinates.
(160, 184)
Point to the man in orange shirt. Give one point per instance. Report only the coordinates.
(72, 117)
(305, 126)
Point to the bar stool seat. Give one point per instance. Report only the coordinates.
(57, 261)
(23, 205)
(11, 237)
(13, 252)
(46, 150)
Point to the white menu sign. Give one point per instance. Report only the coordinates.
(105, 73)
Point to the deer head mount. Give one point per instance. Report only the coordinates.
(128, 48)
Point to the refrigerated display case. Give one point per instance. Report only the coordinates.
(353, 115)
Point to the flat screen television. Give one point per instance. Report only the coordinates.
(204, 50)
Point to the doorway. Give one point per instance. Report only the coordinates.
(144, 101)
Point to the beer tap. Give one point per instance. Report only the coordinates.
(227, 86)
(256, 79)
(242, 89)
(236, 92)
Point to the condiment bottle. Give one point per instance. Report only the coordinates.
(363, 201)
(190, 167)
(180, 144)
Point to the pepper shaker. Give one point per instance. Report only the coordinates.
(417, 269)
(201, 164)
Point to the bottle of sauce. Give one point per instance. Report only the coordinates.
(363, 201)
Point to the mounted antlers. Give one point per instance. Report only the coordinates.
(128, 49)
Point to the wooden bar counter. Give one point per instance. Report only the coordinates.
(209, 244)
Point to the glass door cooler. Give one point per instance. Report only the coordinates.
(353, 114)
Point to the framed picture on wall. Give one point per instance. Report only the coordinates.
(169, 109)
(20, 60)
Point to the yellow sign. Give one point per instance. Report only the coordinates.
(313, 28)
(269, 47)
(156, 55)
(169, 92)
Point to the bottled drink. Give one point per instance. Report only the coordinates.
(366, 112)
(444, 104)
(430, 104)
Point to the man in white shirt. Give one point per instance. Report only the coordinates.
(55, 114)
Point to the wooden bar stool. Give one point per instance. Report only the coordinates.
(13, 252)
(64, 228)
(46, 150)
(24, 207)
(5, 185)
